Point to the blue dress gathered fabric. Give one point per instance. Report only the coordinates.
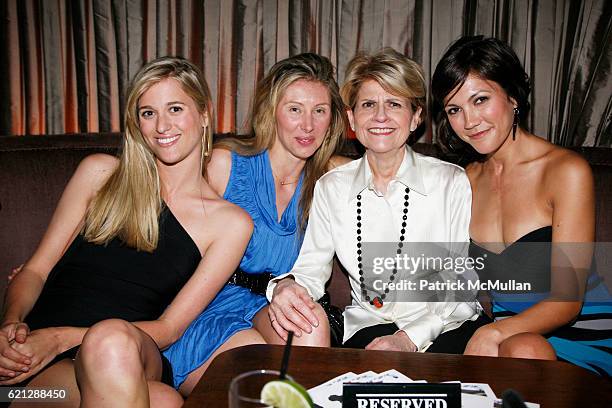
(274, 247)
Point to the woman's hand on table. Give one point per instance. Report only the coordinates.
(291, 309)
(12, 361)
(394, 342)
(485, 341)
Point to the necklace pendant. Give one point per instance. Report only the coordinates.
(378, 303)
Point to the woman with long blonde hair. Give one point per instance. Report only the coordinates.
(298, 122)
(136, 249)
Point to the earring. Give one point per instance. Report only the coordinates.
(206, 145)
(515, 121)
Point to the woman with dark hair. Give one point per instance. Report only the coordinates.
(136, 249)
(526, 192)
(298, 123)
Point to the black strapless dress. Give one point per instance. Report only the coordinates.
(587, 341)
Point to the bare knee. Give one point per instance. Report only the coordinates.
(319, 337)
(115, 359)
(110, 343)
(527, 345)
(241, 338)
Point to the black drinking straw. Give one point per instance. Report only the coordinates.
(285, 362)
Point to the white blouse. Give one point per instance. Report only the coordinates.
(438, 211)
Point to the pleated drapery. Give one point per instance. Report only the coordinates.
(66, 64)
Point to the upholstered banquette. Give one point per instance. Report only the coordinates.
(35, 169)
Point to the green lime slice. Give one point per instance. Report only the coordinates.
(285, 394)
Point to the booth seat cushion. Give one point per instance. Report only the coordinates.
(35, 169)
(33, 173)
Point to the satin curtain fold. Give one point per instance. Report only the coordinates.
(69, 62)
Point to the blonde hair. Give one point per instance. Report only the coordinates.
(394, 72)
(269, 92)
(129, 204)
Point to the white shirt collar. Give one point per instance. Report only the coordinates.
(409, 174)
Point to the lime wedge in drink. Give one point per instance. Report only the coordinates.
(285, 394)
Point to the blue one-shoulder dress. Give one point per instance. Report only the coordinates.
(273, 248)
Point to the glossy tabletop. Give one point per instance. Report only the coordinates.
(552, 384)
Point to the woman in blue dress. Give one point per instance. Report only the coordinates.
(298, 122)
(532, 198)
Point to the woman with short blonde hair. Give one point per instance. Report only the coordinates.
(397, 74)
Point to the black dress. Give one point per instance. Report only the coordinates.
(587, 340)
(94, 282)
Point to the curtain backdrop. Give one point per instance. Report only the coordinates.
(66, 64)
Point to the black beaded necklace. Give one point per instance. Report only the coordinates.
(378, 300)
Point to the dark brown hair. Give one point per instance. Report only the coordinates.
(487, 58)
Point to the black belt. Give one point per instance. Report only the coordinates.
(258, 283)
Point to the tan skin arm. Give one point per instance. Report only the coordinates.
(219, 169)
(232, 228)
(572, 198)
(42, 346)
(218, 173)
(25, 288)
(64, 226)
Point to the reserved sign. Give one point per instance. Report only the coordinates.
(379, 395)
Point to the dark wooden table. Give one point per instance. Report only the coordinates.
(552, 384)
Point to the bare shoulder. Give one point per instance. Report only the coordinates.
(567, 175)
(219, 169)
(229, 217)
(210, 219)
(565, 166)
(99, 162)
(221, 157)
(96, 168)
(337, 161)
